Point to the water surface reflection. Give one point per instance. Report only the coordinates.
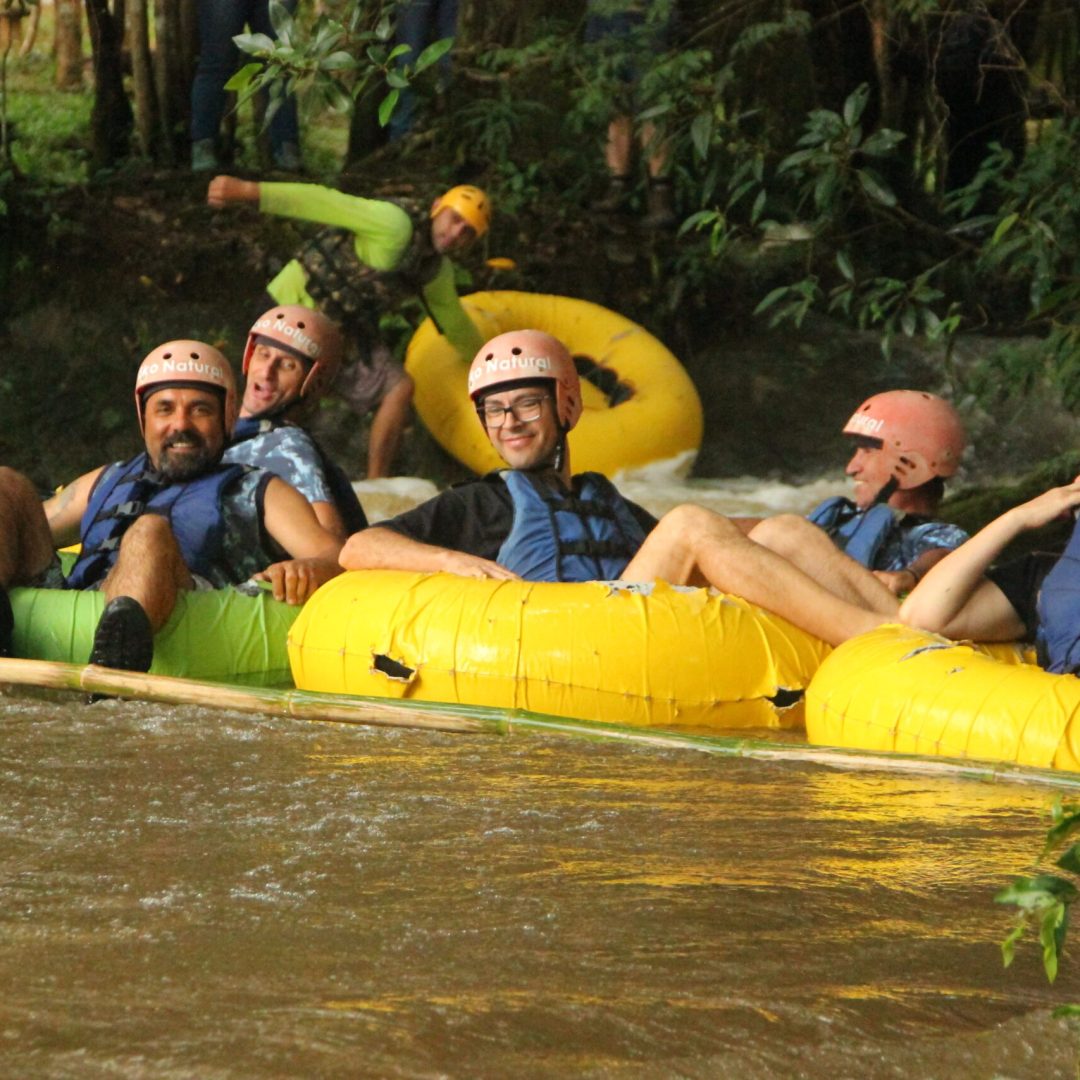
(195, 893)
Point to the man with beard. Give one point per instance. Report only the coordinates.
(174, 517)
(290, 361)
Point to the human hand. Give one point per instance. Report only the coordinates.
(1050, 506)
(898, 582)
(464, 565)
(294, 580)
(224, 190)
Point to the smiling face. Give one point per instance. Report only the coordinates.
(523, 444)
(450, 232)
(184, 430)
(274, 379)
(870, 470)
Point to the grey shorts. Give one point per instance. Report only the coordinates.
(369, 374)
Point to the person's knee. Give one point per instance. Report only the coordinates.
(691, 523)
(149, 532)
(783, 532)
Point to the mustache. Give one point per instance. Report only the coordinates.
(183, 438)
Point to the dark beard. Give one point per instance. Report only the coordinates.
(185, 466)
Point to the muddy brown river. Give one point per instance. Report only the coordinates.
(194, 893)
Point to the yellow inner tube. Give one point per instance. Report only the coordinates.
(640, 406)
(650, 656)
(906, 690)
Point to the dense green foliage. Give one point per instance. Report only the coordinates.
(932, 197)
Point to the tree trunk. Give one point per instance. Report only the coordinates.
(173, 83)
(67, 44)
(111, 118)
(142, 71)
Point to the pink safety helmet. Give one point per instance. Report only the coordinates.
(186, 363)
(520, 355)
(308, 333)
(921, 433)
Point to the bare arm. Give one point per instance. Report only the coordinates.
(385, 549)
(330, 519)
(291, 521)
(65, 509)
(955, 597)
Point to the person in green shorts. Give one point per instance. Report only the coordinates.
(371, 255)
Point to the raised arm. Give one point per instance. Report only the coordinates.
(386, 549)
(955, 598)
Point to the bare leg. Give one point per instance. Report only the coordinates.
(617, 149)
(812, 551)
(692, 545)
(386, 427)
(26, 546)
(149, 568)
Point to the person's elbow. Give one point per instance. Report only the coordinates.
(358, 552)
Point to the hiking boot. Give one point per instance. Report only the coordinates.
(124, 638)
(287, 158)
(203, 156)
(616, 197)
(661, 212)
(7, 625)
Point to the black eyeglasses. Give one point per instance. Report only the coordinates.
(524, 410)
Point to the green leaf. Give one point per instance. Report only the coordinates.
(759, 206)
(844, 264)
(882, 143)
(384, 30)
(908, 321)
(396, 51)
(337, 61)
(434, 53)
(1070, 859)
(395, 79)
(855, 104)
(1008, 946)
(1063, 1012)
(1004, 226)
(875, 187)
(771, 298)
(254, 43)
(701, 132)
(239, 82)
(386, 107)
(281, 21)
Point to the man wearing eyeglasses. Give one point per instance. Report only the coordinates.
(536, 521)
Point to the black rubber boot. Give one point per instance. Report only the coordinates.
(661, 213)
(7, 624)
(616, 197)
(124, 638)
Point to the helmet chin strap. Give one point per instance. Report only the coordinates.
(891, 486)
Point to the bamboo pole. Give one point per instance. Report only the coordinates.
(475, 720)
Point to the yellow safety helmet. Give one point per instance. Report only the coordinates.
(470, 202)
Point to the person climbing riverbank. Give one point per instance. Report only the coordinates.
(292, 356)
(371, 255)
(536, 521)
(175, 517)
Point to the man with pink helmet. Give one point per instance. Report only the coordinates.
(370, 256)
(291, 359)
(907, 443)
(173, 517)
(537, 521)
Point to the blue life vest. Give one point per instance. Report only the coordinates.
(589, 534)
(126, 490)
(1058, 637)
(859, 533)
(348, 505)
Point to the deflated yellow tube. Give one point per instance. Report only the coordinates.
(916, 693)
(651, 656)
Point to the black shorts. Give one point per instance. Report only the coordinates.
(1020, 580)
